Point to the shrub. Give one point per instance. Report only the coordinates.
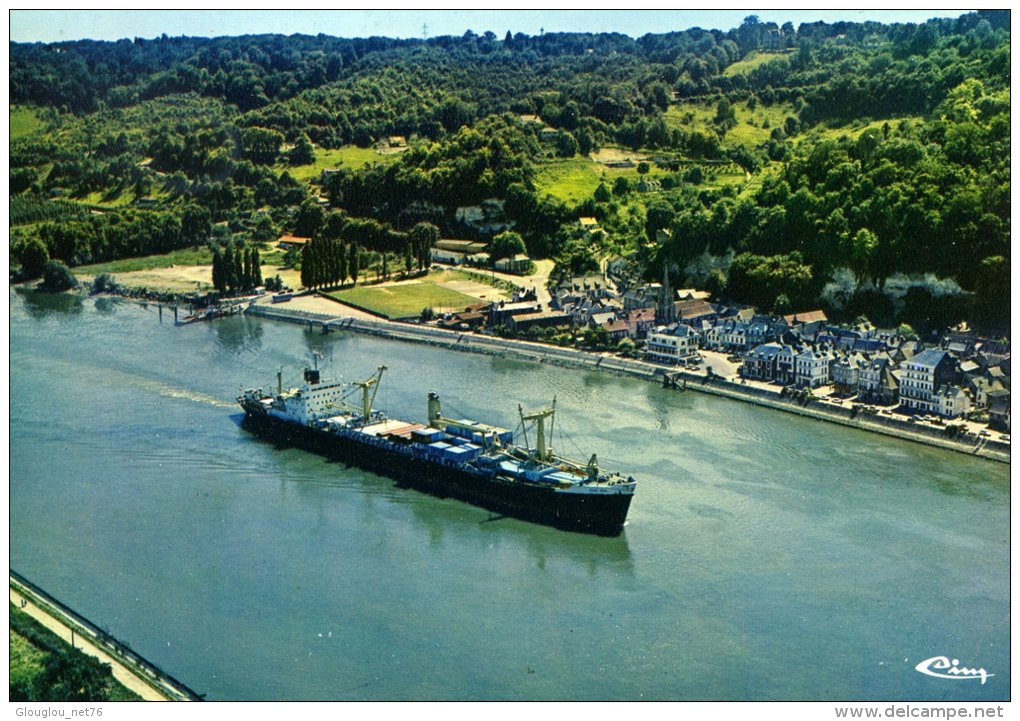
(57, 277)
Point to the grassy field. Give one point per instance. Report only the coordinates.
(110, 198)
(575, 179)
(24, 121)
(690, 116)
(721, 180)
(407, 299)
(750, 62)
(32, 646)
(27, 662)
(106, 199)
(349, 156)
(853, 130)
(570, 180)
(753, 126)
(185, 256)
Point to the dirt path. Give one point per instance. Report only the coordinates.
(121, 672)
(183, 278)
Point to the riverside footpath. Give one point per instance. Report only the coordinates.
(682, 379)
(133, 671)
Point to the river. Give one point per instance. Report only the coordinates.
(766, 556)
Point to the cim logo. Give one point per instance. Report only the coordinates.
(942, 667)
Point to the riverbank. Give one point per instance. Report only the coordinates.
(130, 669)
(968, 443)
(129, 426)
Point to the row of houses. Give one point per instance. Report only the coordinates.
(803, 350)
(923, 381)
(519, 315)
(809, 366)
(594, 301)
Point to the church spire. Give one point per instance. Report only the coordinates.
(666, 312)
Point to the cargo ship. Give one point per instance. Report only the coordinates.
(463, 459)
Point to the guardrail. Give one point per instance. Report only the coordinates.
(147, 671)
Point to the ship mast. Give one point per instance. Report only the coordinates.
(369, 384)
(544, 453)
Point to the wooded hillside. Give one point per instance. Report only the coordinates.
(857, 166)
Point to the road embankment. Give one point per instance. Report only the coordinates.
(896, 427)
(134, 672)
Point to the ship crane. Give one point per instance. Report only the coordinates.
(543, 453)
(369, 384)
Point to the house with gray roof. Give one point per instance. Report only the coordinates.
(760, 362)
(786, 364)
(998, 411)
(876, 382)
(950, 401)
(813, 368)
(846, 372)
(672, 344)
(922, 376)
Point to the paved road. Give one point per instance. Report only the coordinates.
(537, 280)
(718, 363)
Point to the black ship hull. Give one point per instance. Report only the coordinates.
(600, 514)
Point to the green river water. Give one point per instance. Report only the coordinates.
(766, 556)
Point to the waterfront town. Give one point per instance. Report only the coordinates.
(629, 224)
(954, 386)
(956, 377)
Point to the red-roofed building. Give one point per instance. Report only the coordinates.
(811, 316)
(642, 320)
(618, 329)
(806, 323)
(540, 319)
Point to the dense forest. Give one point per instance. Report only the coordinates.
(861, 167)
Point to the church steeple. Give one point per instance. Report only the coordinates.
(665, 314)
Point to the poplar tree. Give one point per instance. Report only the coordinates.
(238, 270)
(246, 283)
(227, 269)
(217, 271)
(334, 261)
(256, 268)
(306, 266)
(354, 260)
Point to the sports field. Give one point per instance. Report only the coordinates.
(405, 299)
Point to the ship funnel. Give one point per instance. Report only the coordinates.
(435, 409)
(311, 375)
